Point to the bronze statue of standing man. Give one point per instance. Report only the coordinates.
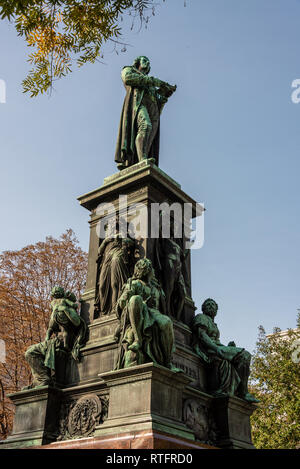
(146, 96)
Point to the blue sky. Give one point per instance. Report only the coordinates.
(230, 137)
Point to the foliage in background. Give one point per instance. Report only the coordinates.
(275, 381)
(26, 279)
(60, 30)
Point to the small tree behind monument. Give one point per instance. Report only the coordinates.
(275, 381)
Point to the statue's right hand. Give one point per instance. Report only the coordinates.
(157, 82)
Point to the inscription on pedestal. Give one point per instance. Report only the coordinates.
(190, 371)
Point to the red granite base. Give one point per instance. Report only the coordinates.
(134, 440)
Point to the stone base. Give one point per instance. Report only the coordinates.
(145, 398)
(232, 417)
(134, 440)
(36, 417)
(146, 406)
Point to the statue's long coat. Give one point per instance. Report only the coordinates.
(135, 83)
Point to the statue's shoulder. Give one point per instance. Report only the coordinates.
(127, 69)
(135, 283)
(138, 286)
(201, 320)
(129, 285)
(57, 302)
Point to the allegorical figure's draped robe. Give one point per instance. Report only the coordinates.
(225, 374)
(113, 273)
(157, 328)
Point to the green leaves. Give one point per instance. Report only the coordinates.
(275, 379)
(63, 31)
(38, 80)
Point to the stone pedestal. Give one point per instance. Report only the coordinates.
(232, 417)
(146, 406)
(152, 440)
(36, 417)
(145, 397)
(146, 184)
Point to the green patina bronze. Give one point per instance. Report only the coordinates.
(145, 333)
(66, 333)
(229, 366)
(172, 272)
(115, 264)
(146, 96)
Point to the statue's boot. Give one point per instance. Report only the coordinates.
(174, 368)
(38, 383)
(249, 398)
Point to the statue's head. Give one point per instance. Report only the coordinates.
(57, 292)
(143, 268)
(128, 244)
(70, 296)
(210, 307)
(142, 63)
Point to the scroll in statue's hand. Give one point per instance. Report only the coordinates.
(166, 90)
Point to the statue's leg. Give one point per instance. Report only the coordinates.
(180, 297)
(40, 373)
(242, 365)
(154, 118)
(104, 288)
(144, 131)
(180, 303)
(68, 339)
(168, 291)
(168, 286)
(115, 281)
(135, 309)
(167, 338)
(117, 332)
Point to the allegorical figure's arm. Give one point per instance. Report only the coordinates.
(70, 310)
(206, 341)
(52, 327)
(127, 292)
